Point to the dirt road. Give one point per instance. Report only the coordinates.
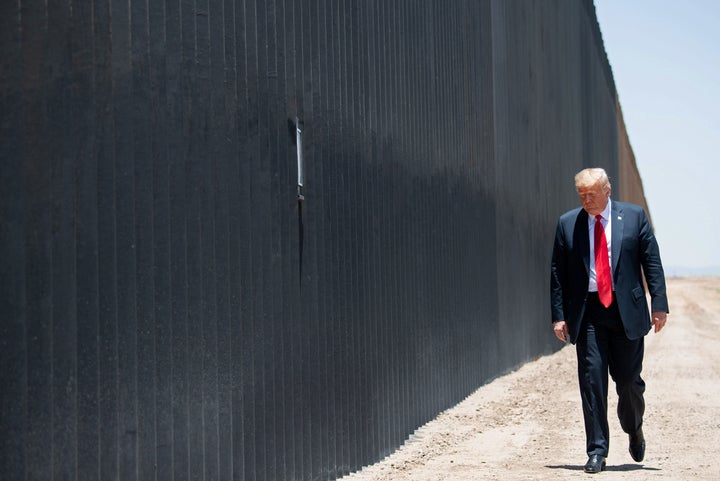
(528, 425)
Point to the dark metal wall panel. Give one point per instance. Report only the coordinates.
(553, 117)
(171, 311)
(538, 115)
(13, 248)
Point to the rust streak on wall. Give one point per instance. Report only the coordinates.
(631, 186)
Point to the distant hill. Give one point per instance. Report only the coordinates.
(678, 271)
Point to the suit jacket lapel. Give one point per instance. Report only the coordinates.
(618, 224)
(582, 238)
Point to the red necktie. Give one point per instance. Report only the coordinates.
(602, 265)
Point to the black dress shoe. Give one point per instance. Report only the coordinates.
(637, 446)
(595, 464)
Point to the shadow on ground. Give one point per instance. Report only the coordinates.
(620, 468)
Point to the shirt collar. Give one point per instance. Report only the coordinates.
(606, 213)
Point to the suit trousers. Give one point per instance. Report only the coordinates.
(602, 346)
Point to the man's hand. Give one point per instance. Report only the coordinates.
(658, 320)
(560, 330)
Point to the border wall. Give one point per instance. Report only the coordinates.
(631, 189)
(171, 311)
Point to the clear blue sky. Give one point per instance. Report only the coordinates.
(665, 57)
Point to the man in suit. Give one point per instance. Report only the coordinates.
(598, 303)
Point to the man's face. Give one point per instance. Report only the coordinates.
(593, 199)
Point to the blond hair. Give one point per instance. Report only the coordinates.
(592, 176)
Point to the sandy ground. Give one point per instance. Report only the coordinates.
(527, 425)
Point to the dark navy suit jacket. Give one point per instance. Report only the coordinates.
(634, 250)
